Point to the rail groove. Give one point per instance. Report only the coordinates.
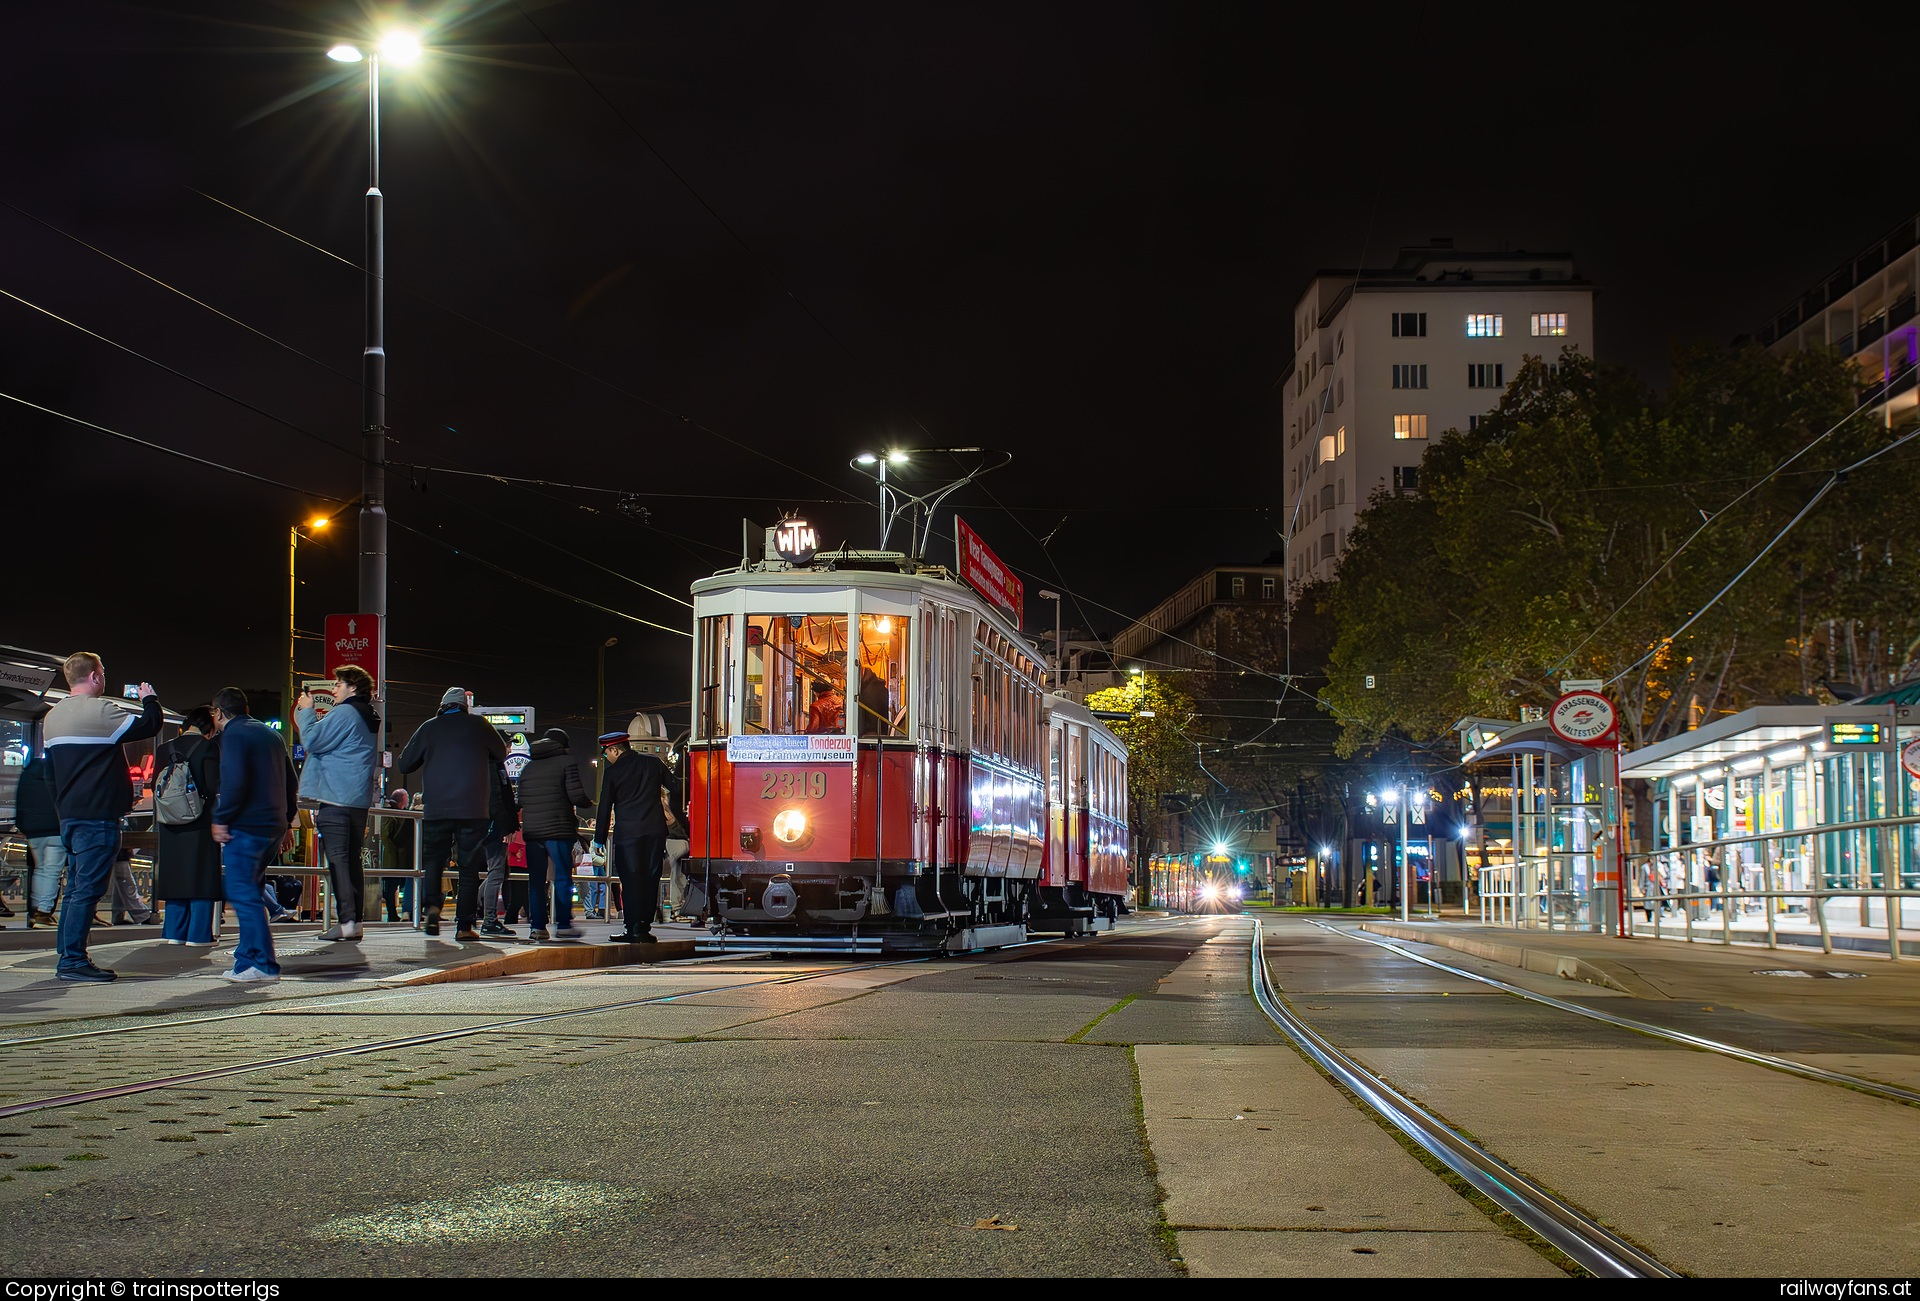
(1590, 1245)
(1891, 1092)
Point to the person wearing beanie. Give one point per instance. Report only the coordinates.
(456, 754)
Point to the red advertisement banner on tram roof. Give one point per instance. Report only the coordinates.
(986, 573)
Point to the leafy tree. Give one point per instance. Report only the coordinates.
(1162, 762)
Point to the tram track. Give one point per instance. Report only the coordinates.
(1787, 1065)
(403, 1042)
(1587, 1243)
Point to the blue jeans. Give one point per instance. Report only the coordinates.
(243, 866)
(49, 865)
(561, 854)
(91, 849)
(189, 920)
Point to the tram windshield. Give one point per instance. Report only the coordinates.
(882, 699)
(796, 673)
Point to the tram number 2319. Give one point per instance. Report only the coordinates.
(785, 784)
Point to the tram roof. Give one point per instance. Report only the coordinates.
(868, 569)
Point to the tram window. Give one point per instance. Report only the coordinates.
(881, 699)
(796, 673)
(1053, 766)
(716, 673)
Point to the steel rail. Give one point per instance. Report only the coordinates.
(1891, 1092)
(419, 1040)
(1590, 1245)
(408, 1041)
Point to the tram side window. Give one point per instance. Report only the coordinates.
(882, 697)
(979, 699)
(716, 675)
(796, 673)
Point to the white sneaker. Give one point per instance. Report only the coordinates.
(251, 976)
(176, 941)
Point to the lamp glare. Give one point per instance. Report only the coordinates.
(400, 48)
(345, 54)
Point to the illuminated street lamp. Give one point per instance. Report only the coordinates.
(399, 48)
(876, 463)
(318, 524)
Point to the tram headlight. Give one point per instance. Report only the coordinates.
(1209, 891)
(789, 826)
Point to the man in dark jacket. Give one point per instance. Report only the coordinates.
(455, 754)
(38, 819)
(552, 797)
(84, 734)
(634, 790)
(503, 819)
(252, 822)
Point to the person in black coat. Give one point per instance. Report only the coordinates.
(635, 791)
(552, 797)
(186, 861)
(36, 818)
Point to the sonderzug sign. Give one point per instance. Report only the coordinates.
(986, 574)
(1583, 717)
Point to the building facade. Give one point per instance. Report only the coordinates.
(1864, 309)
(1206, 618)
(1387, 359)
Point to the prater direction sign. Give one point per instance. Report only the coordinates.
(1584, 718)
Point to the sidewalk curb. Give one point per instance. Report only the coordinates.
(545, 957)
(1543, 961)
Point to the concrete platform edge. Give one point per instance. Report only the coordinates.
(1543, 961)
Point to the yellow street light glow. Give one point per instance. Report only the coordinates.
(345, 54)
(319, 522)
(789, 825)
(400, 48)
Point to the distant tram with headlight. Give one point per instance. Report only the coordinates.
(875, 764)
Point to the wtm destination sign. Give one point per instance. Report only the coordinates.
(789, 749)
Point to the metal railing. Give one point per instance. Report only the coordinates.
(1832, 852)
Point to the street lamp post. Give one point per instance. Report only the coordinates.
(400, 49)
(877, 462)
(1406, 867)
(1059, 649)
(600, 714)
(317, 523)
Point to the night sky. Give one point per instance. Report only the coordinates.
(1072, 232)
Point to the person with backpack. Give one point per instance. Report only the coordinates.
(38, 820)
(552, 797)
(253, 818)
(340, 776)
(186, 861)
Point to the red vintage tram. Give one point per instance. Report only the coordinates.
(875, 764)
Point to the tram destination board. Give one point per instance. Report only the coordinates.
(1855, 733)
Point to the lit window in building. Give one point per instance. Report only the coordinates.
(1409, 376)
(1410, 426)
(1550, 323)
(1486, 375)
(1327, 452)
(1340, 441)
(1482, 325)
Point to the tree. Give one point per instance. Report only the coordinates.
(1563, 537)
(1162, 761)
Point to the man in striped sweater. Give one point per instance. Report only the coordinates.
(92, 791)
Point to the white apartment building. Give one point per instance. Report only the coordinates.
(1864, 309)
(1386, 360)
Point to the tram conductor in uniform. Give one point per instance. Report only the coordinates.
(634, 791)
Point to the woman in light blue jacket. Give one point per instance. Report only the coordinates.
(339, 775)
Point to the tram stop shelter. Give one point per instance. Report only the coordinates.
(1784, 818)
(1548, 863)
